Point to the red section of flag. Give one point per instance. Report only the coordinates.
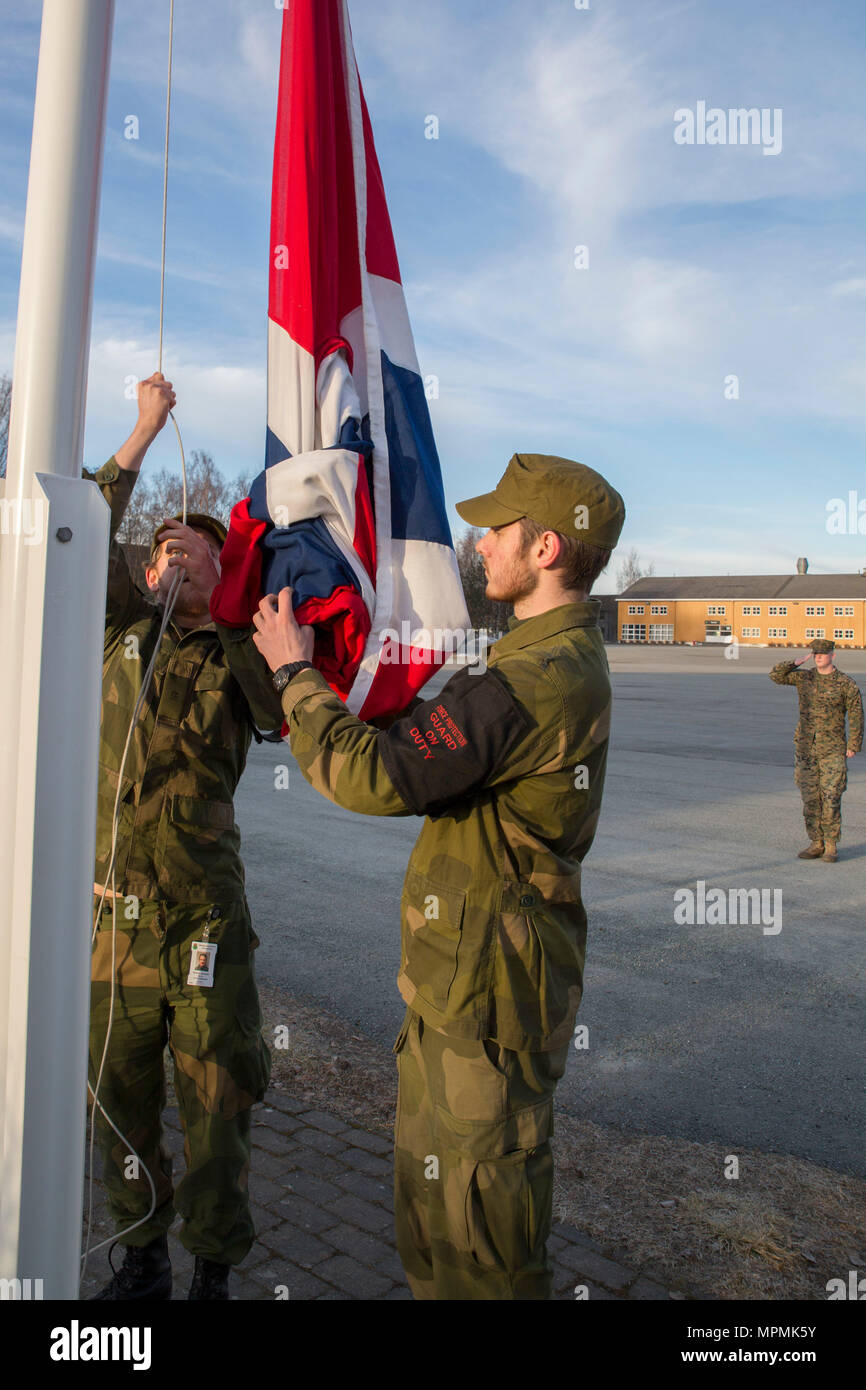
(364, 539)
(399, 676)
(315, 278)
(342, 624)
(313, 193)
(238, 593)
(381, 251)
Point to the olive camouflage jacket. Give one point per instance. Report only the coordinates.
(177, 838)
(508, 767)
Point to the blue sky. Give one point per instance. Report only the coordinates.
(555, 130)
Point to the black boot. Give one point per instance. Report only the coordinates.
(144, 1274)
(210, 1280)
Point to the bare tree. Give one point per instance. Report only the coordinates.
(483, 611)
(160, 495)
(5, 407)
(240, 487)
(630, 570)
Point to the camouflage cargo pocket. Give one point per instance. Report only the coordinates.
(198, 849)
(432, 916)
(508, 1209)
(540, 957)
(256, 1063)
(833, 775)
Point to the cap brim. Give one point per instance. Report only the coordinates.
(487, 510)
(194, 519)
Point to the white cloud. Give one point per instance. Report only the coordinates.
(220, 406)
(580, 113)
(855, 287)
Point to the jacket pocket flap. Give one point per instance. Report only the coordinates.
(194, 810)
(110, 776)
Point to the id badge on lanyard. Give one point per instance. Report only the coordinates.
(203, 957)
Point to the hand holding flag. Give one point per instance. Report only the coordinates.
(277, 636)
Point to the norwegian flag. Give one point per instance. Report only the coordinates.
(350, 509)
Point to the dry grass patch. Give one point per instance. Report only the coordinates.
(782, 1229)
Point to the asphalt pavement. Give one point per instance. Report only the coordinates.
(741, 1032)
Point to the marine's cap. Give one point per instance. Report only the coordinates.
(557, 493)
(822, 644)
(206, 523)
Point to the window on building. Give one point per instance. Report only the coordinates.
(635, 608)
(634, 632)
(751, 632)
(779, 610)
(844, 634)
(814, 632)
(777, 632)
(716, 608)
(658, 608)
(814, 611)
(661, 632)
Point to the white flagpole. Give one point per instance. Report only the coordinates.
(52, 602)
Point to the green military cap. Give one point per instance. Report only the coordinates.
(557, 493)
(822, 644)
(205, 523)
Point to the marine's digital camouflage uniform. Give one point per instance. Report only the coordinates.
(509, 768)
(178, 868)
(820, 744)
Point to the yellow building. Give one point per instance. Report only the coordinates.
(772, 610)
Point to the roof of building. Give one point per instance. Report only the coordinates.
(793, 587)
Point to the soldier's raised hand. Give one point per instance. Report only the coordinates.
(156, 398)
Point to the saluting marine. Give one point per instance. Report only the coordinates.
(820, 744)
(507, 766)
(179, 966)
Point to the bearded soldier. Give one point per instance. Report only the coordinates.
(173, 942)
(821, 746)
(507, 765)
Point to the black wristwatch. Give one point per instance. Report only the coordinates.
(284, 674)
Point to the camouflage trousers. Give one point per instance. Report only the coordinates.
(822, 782)
(221, 1067)
(473, 1170)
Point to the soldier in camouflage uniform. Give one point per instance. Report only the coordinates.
(508, 767)
(821, 748)
(178, 879)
